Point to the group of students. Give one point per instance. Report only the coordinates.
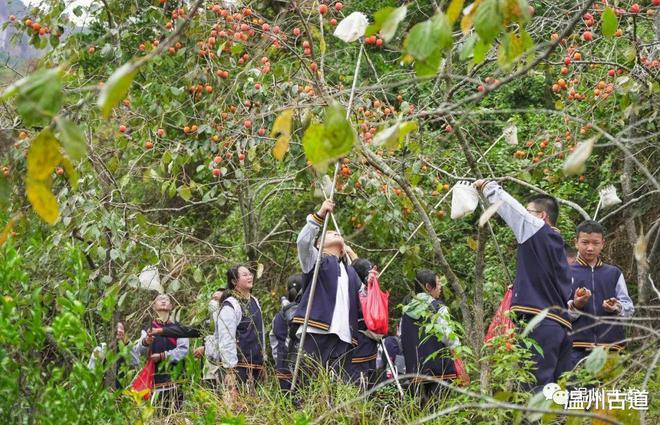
(581, 302)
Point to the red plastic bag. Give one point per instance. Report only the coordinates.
(144, 381)
(501, 323)
(374, 306)
(461, 374)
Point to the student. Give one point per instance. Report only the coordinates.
(363, 356)
(165, 352)
(210, 369)
(426, 353)
(239, 330)
(542, 277)
(280, 336)
(332, 328)
(599, 290)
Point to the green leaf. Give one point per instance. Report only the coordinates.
(596, 360)
(324, 143)
(72, 139)
(43, 156)
(116, 88)
(38, 96)
(392, 136)
(185, 193)
(430, 66)
(197, 275)
(480, 51)
(454, 10)
(488, 21)
(387, 20)
(427, 37)
(609, 22)
(468, 47)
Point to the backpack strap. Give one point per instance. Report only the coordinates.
(233, 303)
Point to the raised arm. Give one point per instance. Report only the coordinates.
(178, 330)
(516, 216)
(307, 252)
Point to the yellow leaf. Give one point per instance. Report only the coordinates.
(472, 243)
(43, 156)
(454, 10)
(466, 23)
(7, 230)
(282, 130)
(42, 200)
(468, 14)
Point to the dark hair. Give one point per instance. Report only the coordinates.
(547, 204)
(589, 226)
(362, 266)
(232, 277)
(293, 286)
(423, 278)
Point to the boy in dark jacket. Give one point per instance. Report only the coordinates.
(332, 328)
(542, 277)
(599, 290)
(280, 335)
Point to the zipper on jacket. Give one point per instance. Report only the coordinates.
(593, 303)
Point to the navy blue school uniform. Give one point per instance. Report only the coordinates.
(605, 281)
(332, 329)
(363, 356)
(419, 347)
(280, 344)
(240, 336)
(392, 344)
(542, 281)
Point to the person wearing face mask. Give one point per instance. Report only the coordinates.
(239, 331)
(333, 320)
(165, 352)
